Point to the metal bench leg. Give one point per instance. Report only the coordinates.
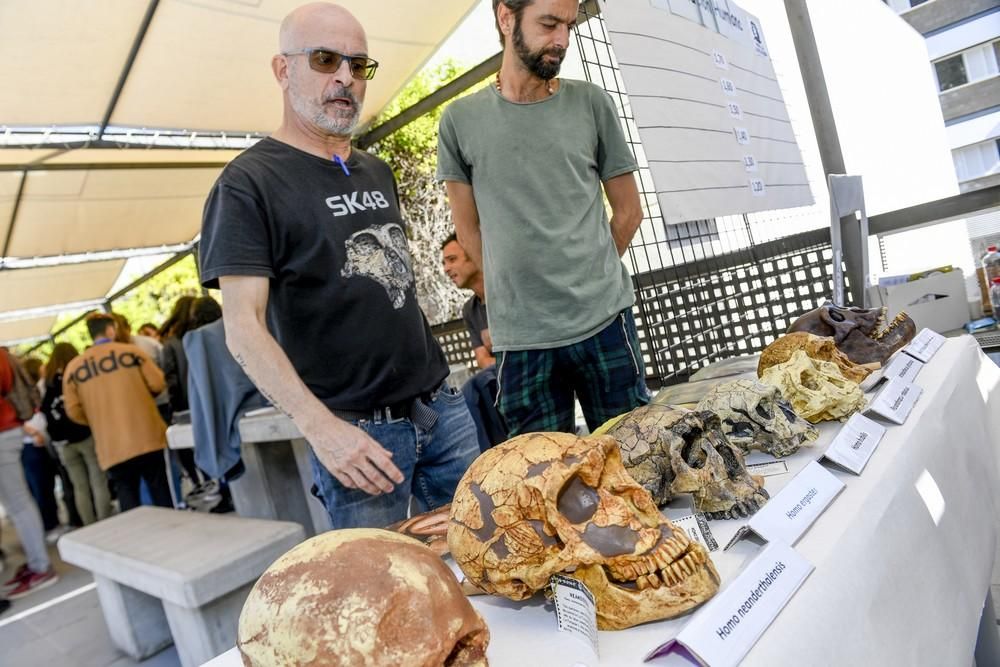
(202, 633)
(136, 621)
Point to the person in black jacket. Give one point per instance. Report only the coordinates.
(74, 443)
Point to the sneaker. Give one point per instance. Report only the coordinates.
(33, 581)
(4, 605)
(19, 574)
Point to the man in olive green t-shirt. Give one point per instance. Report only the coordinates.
(524, 161)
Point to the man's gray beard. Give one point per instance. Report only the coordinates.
(337, 126)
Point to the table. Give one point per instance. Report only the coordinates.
(899, 579)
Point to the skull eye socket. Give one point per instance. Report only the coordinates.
(577, 501)
(763, 411)
(739, 429)
(787, 410)
(733, 466)
(836, 316)
(693, 454)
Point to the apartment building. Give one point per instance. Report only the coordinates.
(963, 43)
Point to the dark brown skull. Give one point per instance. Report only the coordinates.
(858, 332)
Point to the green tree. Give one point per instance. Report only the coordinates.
(411, 151)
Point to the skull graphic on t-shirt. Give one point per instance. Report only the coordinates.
(381, 253)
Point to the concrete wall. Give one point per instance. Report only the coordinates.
(970, 98)
(933, 15)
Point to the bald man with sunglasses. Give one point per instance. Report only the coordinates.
(304, 235)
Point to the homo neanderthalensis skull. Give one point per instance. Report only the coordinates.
(858, 332)
(360, 597)
(816, 389)
(755, 415)
(671, 450)
(816, 347)
(547, 503)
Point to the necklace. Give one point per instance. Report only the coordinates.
(548, 86)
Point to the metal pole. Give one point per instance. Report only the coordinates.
(825, 127)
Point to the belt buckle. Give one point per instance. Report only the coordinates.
(389, 418)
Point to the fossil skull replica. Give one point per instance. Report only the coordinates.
(816, 347)
(360, 597)
(858, 332)
(547, 503)
(671, 450)
(816, 389)
(755, 415)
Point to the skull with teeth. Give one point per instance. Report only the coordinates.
(755, 415)
(671, 450)
(360, 597)
(860, 333)
(547, 503)
(817, 389)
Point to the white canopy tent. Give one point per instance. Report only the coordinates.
(15, 331)
(194, 67)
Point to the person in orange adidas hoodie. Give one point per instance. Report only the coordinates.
(110, 387)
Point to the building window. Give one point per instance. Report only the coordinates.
(901, 6)
(951, 72)
(977, 160)
(975, 64)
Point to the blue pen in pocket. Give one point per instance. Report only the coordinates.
(343, 165)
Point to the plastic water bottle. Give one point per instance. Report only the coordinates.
(995, 298)
(991, 265)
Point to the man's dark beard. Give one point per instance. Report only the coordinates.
(535, 60)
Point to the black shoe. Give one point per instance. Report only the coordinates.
(4, 605)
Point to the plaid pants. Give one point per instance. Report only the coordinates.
(604, 372)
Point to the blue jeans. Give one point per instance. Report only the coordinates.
(431, 460)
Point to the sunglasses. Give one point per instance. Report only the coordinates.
(328, 62)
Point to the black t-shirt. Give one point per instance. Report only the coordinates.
(474, 315)
(342, 301)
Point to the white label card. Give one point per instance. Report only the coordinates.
(757, 187)
(721, 632)
(742, 135)
(896, 400)
(728, 87)
(903, 366)
(787, 516)
(719, 59)
(768, 468)
(749, 163)
(697, 529)
(576, 612)
(855, 443)
(924, 345)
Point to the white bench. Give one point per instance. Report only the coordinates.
(168, 576)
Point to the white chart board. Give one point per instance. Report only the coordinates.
(708, 108)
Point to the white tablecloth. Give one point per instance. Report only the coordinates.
(899, 580)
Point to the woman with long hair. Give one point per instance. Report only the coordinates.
(74, 442)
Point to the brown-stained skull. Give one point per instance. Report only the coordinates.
(671, 450)
(360, 597)
(858, 332)
(816, 347)
(547, 503)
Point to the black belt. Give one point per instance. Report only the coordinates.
(415, 409)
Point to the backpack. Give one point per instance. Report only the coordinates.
(23, 395)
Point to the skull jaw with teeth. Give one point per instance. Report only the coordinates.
(755, 415)
(670, 450)
(860, 333)
(547, 503)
